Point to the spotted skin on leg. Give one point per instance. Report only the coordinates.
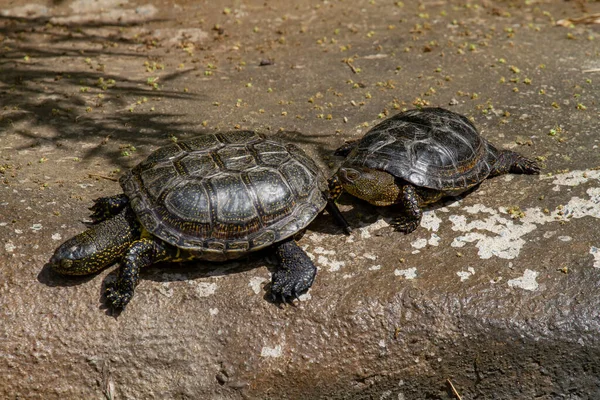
(140, 254)
(411, 219)
(295, 275)
(335, 187)
(106, 207)
(514, 163)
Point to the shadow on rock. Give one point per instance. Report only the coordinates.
(65, 87)
(50, 278)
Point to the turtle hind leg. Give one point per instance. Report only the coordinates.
(140, 254)
(514, 163)
(295, 274)
(106, 207)
(411, 219)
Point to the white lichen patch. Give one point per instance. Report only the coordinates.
(56, 236)
(409, 273)
(496, 233)
(36, 227)
(595, 252)
(365, 232)
(430, 221)
(525, 282)
(375, 268)
(255, 284)
(320, 250)
(305, 297)
(9, 247)
(464, 275)
(434, 240)
(579, 208)
(573, 178)
(419, 243)
(205, 289)
(479, 208)
(213, 311)
(565, 238)
(369, 256)
(332, 265)
(273, 352)
(506, 243)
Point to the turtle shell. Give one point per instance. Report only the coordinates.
(430, 147)
(223, 195)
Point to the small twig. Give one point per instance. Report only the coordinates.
(108, 386)
(591, 70)
(586, 19)
(103, 177)
(352, 67)
(105, 140)
(453, 389)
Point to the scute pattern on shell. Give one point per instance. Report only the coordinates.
(431, 147)
(222, 195)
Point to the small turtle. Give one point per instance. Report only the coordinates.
(417, 157)
(215, 197)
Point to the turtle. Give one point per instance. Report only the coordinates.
(214, 197)
(418, 156)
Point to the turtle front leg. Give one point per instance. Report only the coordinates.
(514, 163)
(335, 190)
(411, 219)
(106, 207)
(140, 254)
(296, 272)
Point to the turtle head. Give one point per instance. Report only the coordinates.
(77, 256)
(377, 187)
(98, 247)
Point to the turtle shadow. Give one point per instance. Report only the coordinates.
(165, 272)
(52, 279)
(363, 213)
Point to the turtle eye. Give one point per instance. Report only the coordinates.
(349, 175)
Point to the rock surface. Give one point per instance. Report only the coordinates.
(495, 295)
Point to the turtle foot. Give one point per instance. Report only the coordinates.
(404, 224)
(288, 285)
(525, 166)
(106, 207)
(295, 275)
(117, 298)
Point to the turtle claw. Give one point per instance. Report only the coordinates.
(115, 299)
(98, 214)
(404, 224)
(525, 166)
(106, 207)
(285, 287)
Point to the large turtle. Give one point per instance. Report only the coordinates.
(214, 197)
(417, 157)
